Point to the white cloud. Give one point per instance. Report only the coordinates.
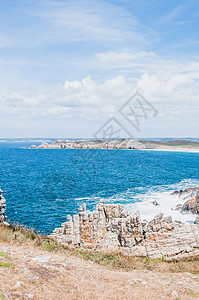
(52, 22)
(83, 21)
(72, 84)
(87, 102)
(139, 62)
(90, 95)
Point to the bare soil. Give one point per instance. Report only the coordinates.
(28, 272)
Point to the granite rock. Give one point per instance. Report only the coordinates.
(112, 228)
(2, 207)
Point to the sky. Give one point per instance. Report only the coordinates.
(68, 67)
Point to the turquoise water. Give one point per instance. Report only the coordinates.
(43, 186)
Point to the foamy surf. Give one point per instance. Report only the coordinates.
(141, 199)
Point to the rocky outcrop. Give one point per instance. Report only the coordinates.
(97, 144)
(2, 207)
(116, 143)
(44, 145)
(192, 205)
(112, 228)
(191, 195)
(197, 220)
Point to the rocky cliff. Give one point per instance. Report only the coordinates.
(2, 207)
(191, 196)
(98, 144)
(112, 228)
(119, 144)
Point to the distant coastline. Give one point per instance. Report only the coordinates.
(181, 145)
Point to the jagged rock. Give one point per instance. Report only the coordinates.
(112, 228)
(44, 146)
(155, 203)
(197, 220)
(191, 195)
(178, 207)
(187, 193)
(115, 144)
(192, 205)
(2, 207)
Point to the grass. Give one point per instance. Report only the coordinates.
(2, 254)
(179, 143)
(115, 260)
(7, 265)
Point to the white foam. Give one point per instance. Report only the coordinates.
(167, 205)
(162, 194)
(86, 198)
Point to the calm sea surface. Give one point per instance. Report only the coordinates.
(43, 186)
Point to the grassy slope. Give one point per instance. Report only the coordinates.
(19, 235)
(36, 267)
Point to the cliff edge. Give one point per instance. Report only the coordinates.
(112, 228)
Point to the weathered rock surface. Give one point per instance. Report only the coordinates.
(197, 220)
(191, 195)
(2, 207)
(192, 205)
(112, 228)
(98, 144)
(117, 144)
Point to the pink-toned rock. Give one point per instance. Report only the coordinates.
(192, 205)
(112, 228)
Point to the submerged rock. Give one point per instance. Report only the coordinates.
(178, 207)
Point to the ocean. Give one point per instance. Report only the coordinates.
(42, 187)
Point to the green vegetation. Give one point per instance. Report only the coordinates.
(48, 247)
(7, 265)
(115, 260)
(180, 144)
(2, 254)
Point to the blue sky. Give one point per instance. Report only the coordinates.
(68, 66)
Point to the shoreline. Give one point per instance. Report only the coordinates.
(157, 150)
(123, 144)
(112, 227)
(173, 150)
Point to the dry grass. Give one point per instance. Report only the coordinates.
(115, 260)
(34, 266)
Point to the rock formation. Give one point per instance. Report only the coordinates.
(192, 205)
(2, 207)
(117, 144)
(191, 195)
(112, 228)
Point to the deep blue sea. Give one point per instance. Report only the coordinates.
(43, 186)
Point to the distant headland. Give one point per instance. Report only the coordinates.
(131, 144)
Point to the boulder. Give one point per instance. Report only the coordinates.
(197, 220)
(44, 146)
(2, 207)
(191, 205)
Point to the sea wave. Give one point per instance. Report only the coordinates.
(141, 199)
